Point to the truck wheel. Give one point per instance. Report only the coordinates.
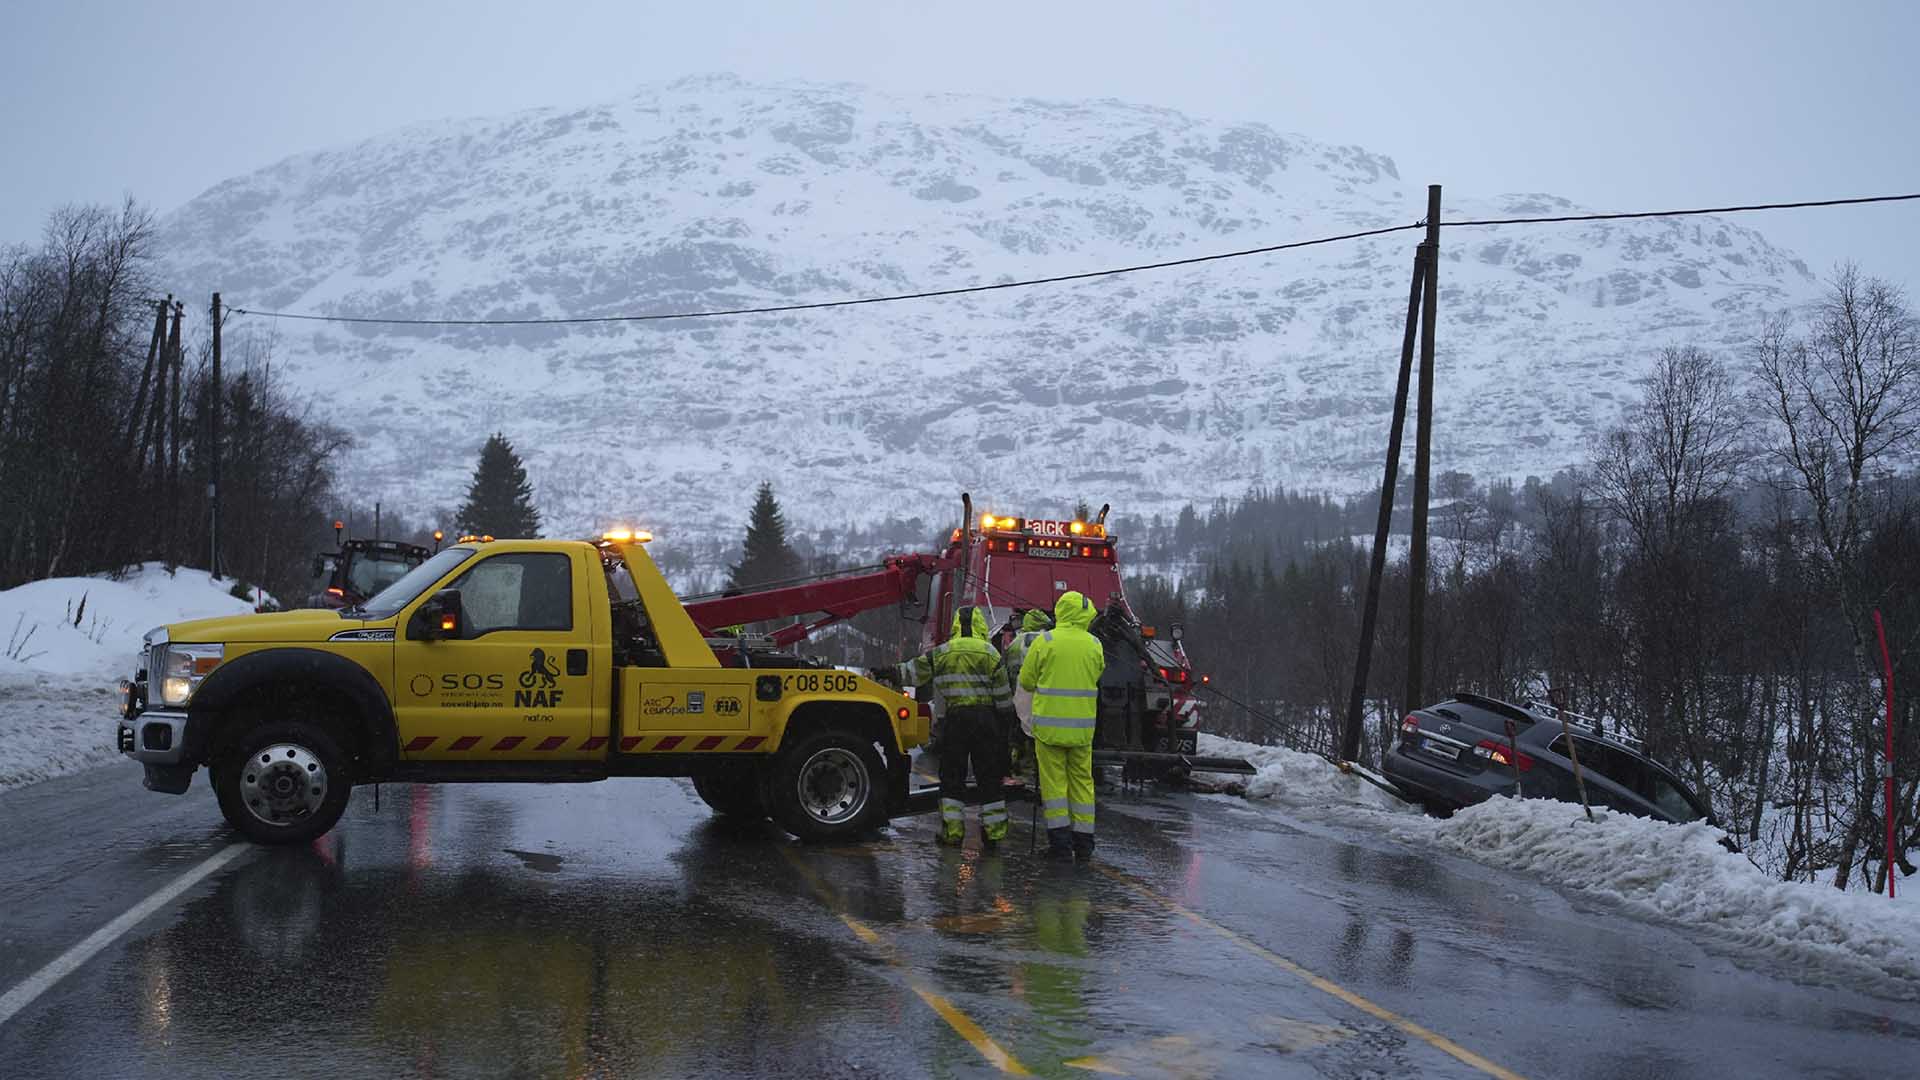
(827, 786)
(732, 789)
(283, 783)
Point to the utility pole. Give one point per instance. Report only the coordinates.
(1422, 304)
(376, 522)
(173, 439)
(1423, 461)
(1369, 613)
(213, 482)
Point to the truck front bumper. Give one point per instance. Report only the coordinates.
(154, 738)
(157, 740)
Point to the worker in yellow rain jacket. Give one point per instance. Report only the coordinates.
(1063, 670)
(1033, 623)
(970, 677)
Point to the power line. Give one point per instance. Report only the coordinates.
(855, 302)
(930, 294)
(1684, 213)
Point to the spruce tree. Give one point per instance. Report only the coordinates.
(765, 554)
(500, 500)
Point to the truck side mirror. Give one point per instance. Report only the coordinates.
(319, 566)
(439, 618)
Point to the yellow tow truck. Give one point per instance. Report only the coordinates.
(510, 660)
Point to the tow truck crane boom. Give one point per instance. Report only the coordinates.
(839, 595)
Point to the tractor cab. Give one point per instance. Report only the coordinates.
(360, 569)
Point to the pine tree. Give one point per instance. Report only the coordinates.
(500, 500)
(765, 554)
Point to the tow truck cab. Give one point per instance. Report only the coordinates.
(1149, 712)
(516, 660)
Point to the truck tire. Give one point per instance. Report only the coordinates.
(732, 789)
(284, 782)
(827, 786)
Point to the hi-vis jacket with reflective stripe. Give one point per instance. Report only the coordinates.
(1063, 670)
(966, 669)
(1031, 625)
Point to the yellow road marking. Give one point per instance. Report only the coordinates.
(1326, 986)
(1198, 1055)
(960, 1022)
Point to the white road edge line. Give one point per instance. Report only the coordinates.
(67, 962)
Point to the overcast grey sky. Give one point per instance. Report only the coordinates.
(1618, 105)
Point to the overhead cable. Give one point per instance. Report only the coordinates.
(1682, 213)
(820, 304)
(930, 294)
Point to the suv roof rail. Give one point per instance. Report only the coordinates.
(1593, 724)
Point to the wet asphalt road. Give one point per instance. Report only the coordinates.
(616, 929)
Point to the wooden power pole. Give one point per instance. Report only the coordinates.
(1421, 307)
(173, 438)
(1370, 609)
(1423, 463)
(213, 473)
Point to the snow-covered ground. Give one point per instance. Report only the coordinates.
(64, 645)
(1676, 873)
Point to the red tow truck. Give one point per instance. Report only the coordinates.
(1150, 709)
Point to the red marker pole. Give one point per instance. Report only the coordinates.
(1886, 662)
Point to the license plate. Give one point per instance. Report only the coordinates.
(1049, 552)
(1440, 750)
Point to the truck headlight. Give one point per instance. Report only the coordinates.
(183, 668)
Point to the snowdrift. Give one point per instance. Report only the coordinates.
(64, 645)
(1674, 873)
(93, 625)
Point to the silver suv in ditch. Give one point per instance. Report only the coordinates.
(1469, 748)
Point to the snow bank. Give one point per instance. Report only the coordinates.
(58, 679)
(1303, 779)
(38, 630)
(1674, 873)
(1681, 873)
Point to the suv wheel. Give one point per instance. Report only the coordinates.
(827, 786)
(283, 783)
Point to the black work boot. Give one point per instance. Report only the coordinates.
(1082, 847)
(1059, 844)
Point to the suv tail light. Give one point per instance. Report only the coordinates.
(1410, 726)
(1499, 755)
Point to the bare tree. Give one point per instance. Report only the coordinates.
(1844, 398)
(1679, 449)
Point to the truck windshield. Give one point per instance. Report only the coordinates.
(391, 599)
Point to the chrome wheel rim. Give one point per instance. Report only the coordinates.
(834, 786)
(283, 784)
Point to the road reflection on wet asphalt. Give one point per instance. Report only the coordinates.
(618, 929)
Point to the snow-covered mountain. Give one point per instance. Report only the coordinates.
(1146, 390)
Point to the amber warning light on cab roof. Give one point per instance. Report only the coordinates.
(1087, 530)
(623, 535)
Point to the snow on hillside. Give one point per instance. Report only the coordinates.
(1676, 873)
(1145, 391)
(58, 677)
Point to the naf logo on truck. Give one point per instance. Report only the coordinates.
(538, 682)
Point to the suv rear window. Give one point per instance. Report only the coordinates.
(1485, 713)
